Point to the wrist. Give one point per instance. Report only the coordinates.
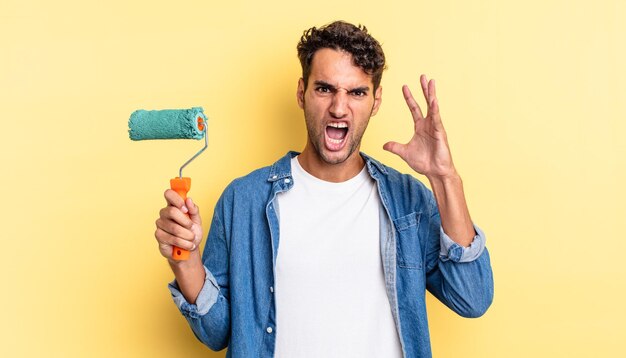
(194, 258)
(447, 177)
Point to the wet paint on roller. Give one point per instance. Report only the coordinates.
(166, 124)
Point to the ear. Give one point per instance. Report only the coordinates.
(300, 93)
(378, 98)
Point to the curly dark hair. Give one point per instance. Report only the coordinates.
(365, 50)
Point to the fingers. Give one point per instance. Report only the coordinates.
(429, 90)
(165, 223)
(176, 216)
(176, 229)
(424, 83)
(179, 224)
(395, 148)
(173, 199)
(432, 96)
(434, 109)
(173, 218)
(187, 207)
(415, 109)
(194, 212)
(166, 239)
(433, 105)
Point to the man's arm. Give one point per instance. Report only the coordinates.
(428, 153)
(460, 278)
(455, 218)
(200, 295)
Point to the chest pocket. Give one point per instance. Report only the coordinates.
(409, 252)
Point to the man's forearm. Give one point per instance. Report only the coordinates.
(455, 217)
(190, 275)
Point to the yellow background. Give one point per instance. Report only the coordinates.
(532, 94)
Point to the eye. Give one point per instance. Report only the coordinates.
(358, 93)
(323, 89)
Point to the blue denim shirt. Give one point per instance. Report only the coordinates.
(236, 307)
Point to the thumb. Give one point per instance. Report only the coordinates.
(395, 148)
(194, 211)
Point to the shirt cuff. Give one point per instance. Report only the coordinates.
(450, 250)
(206, 298)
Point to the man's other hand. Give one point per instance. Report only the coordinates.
(427, 152)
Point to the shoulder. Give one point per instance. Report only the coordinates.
(258, 184)
(248, 185)
(254, 178)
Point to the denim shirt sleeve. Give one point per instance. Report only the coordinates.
(206, 298)
(450, 250)
(209, 317)
(461, 278)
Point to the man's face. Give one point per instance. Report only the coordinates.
(338, 103)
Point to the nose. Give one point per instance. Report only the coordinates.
(339, 105)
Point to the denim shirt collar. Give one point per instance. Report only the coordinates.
(373, 165)
(282, 168)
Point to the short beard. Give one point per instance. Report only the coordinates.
(352, 145)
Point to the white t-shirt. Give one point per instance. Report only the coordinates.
(329, 285)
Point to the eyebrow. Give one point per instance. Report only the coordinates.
(351, 90)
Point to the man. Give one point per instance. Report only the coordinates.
(328, 253)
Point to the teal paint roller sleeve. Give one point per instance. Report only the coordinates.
(166, 124)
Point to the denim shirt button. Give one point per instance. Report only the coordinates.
(274, 176)
(455, 253)
(287, 181)
(272, 289)
(269, 330)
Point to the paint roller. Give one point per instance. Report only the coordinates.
(171, 124)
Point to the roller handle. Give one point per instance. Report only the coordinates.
(180, 186)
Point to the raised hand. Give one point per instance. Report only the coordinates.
(427, 152)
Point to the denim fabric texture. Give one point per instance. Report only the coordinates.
(236, 309)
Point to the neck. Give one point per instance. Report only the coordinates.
(311, 161)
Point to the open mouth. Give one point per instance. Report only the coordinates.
(336, 133)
